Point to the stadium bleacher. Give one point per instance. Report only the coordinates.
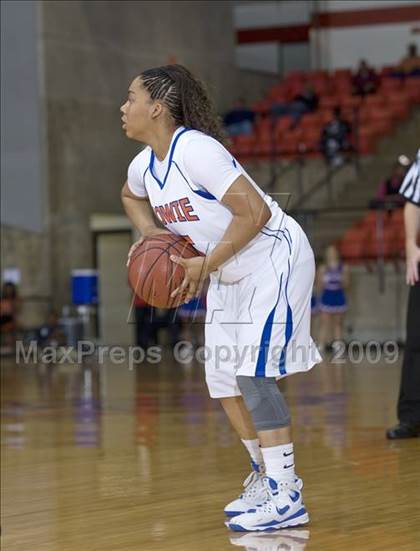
(379, 234)
(372, 116)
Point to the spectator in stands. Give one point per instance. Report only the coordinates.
(365, 80)
(332, 282)
(388, 190)
(240, 120)
(305, 102)
(335, 139)
(410, 64)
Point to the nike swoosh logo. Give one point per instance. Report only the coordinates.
(294, 497)
(284, 510)
(287, 454)
(288, 466)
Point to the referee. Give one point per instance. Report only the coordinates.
(408, 409)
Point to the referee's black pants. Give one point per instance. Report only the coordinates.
(409, 399)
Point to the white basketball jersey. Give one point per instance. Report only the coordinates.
(194, 210)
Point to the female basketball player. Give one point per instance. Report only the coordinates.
(261, 270)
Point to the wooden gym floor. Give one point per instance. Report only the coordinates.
(104, 458)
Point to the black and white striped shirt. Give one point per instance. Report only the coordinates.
(410, 188)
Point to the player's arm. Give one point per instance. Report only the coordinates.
(250, 213)
(138, 210)
(412, 226)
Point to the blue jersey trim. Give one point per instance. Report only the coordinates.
(144, 176)
(171, 154)
(265, 339)
(288, 329)
(287, 236)
(266, 334)
(278, 237)
(200, 192)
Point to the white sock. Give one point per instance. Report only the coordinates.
(254, 450)
(279, 462)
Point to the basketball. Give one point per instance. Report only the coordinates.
(152, 274)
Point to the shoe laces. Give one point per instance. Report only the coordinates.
(281, 496)
(252, 484)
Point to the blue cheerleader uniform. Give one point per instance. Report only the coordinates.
(333, 298)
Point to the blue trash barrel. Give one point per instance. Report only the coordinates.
(84, 286)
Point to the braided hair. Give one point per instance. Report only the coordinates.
(185, 97)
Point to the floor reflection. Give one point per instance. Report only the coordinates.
(288, 539)
(144, 456)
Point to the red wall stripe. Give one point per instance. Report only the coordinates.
(354, 18)
(293, 33)
(377, 16)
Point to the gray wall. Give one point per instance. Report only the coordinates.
(23, 198)
(92, 51)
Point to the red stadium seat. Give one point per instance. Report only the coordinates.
(412, 89)
(318, 74)
(296, 75)
(374, 101)
(379, 121)
(311, 120)
(289, 142)
(264, 128)
(329, 102)
(378, 246)
(390, 84)
(266, 148)
(283, 124)
(399, 109)
(366, 140)
(340, 73)
(341, 88)
(381, 127)
(370, 219)
(326, 115)
(384, 113)
(245, 144)
(261, 106)
(321, 87)
(310, 139)
(347, 100)
(352, 246)
(386, 70)
(397, 217)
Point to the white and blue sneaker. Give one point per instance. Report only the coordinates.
(284, 508)
(254, 494)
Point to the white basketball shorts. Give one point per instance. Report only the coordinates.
(259, 326)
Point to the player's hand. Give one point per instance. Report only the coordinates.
(196, 272)
(149, 233)
(413, 259)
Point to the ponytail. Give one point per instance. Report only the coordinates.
(186, 98)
